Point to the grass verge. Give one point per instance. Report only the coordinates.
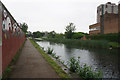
(54, 65)
(8, 70)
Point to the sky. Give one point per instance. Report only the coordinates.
(49, 15)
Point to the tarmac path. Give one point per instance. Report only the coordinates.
(31, 64)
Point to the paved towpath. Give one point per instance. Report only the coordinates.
(31, 64)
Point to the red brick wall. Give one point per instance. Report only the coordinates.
(94, 32)
(110, 23)
(0, 40)
(12, 37)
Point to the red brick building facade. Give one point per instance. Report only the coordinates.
(109, 23)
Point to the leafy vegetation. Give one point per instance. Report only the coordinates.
(69, 30)
(50, 51)
(74, 64)
(83, 71)
(24, 27)
(82, 43)
(111, 37)
(56, 67)
(78, 35)
(38, 34)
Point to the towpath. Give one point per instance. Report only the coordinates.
(31, 64)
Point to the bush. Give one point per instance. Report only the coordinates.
(86, 72)
(74, 64)
(83, 71)
(112, 37)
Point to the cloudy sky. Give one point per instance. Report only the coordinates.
(48, 15)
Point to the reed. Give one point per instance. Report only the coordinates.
(82, 43)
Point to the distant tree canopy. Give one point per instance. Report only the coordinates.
(24, 27)
(38, 34)
(78, 35)
(69, 33)
(69, 30)
(52, 34)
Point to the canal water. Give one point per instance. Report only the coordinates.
(103, 59)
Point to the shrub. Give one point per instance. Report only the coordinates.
(83, 71)
(86, 72)
(112, 37)
(74, 64)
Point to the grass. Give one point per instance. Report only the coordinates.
(86, 43)
(8, 70)
(54, 65)
(114, 44)
(82, 43)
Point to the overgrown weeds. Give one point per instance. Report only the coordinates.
(74, 64)
(83, 71)
(82, 43)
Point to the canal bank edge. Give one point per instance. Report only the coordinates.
(54, 65)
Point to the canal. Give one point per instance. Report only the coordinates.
(103, 59)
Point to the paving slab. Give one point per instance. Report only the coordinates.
(31, 64)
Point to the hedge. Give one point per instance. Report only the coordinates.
(112, 37)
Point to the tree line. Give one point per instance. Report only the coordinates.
(69, 33)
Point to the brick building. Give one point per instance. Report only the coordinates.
(107, 19)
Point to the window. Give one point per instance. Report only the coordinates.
(106, 6)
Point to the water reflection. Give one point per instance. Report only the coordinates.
(106, 60)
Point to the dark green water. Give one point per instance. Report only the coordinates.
(105, 60)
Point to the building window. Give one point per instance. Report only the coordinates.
(95, 28)
(106, 6)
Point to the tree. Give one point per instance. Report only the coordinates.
(78, 35)
(52, 34)
(69, 30)
(24, 27)
(38, 34)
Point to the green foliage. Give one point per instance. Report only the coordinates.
(112, 37)
(52, 34)
(78, 35)
(24, 27)
(84, 71)
(6, 73)
(74, 64)
(87, 73)
(82, 43)
(49, 51)
(59, 35)
(114, 44)
(38, 34)
(69, 30)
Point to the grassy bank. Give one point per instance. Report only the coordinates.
(55, 66)
(8, 70)
(86, 43)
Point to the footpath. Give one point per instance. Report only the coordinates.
(31, 64)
